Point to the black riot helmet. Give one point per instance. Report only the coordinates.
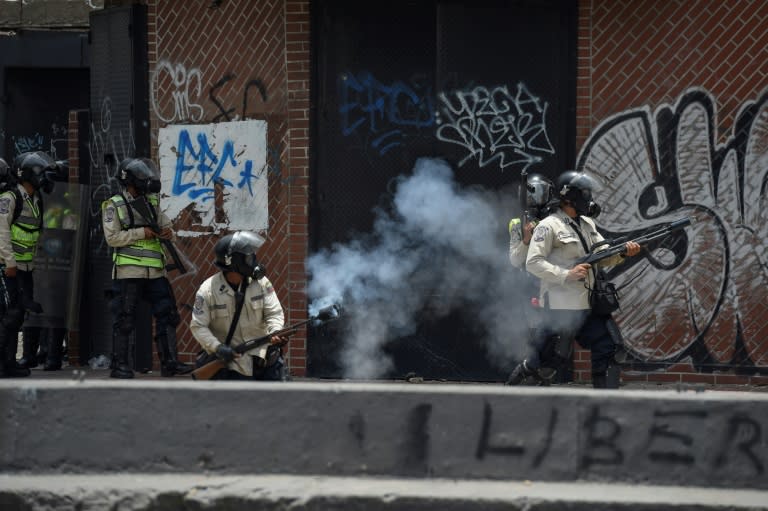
(539, 194)
(36, 168)
(237, 252)
(576, 188)
(141, 173)
(6, 176)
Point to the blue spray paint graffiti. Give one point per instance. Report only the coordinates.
(197, 179)
(385, 110)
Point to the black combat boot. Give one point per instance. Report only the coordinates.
(9, 368)
(600, 380)
(169, 356)
(55, 342)
(121, 368)
(30, 344)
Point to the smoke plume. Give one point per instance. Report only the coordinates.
(437, 251)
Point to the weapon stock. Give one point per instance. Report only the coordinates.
(146, 210)
(619, 248)
(208, 370)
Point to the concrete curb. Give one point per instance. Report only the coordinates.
(160, 492)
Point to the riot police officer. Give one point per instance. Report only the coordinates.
(21, 223)
(539, 201)
(215, 313)
(139, 269)
(563, 237)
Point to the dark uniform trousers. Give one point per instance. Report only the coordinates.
(125, 296)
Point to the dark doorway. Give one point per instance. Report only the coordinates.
(427, 79)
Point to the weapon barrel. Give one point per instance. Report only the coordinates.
(641, 240)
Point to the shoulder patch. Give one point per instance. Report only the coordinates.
(109, 213)
(5, 205)
(540, 233)
(197, 309)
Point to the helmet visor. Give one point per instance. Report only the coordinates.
(539, 193)
(245, 242)
(586, 181)
(142, 169)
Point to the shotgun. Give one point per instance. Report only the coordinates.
(618, 247)
(145, 209)
(213, 364)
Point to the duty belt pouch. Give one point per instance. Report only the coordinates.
(603, 297)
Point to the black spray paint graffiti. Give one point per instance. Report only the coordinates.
(274, 165)
(703, 295)
(693, 439)
(384, 114)
(496, 126)
(669, 440)
(226, 113)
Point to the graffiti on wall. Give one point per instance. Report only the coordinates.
(184, 86)
(200, 161)
(107, 146)
(54, 143)
(491, 125)
(384, 114)
(702, 296)
(496, 127)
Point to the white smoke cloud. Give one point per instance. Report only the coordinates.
(437, 252)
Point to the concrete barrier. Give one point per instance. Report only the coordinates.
(710, 439)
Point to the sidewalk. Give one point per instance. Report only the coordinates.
(87, 373)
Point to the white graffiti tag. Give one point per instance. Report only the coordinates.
(495, 125)
(184, 87)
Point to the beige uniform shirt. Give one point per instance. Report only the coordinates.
(116, 236)
(7, 207)
(214, 310)
(553, 251)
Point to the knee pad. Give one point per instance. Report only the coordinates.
(173, 317)
(166, 312)
(125, 324)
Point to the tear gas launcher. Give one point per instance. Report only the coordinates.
(617, 246)
(214, 365)
(145, 209)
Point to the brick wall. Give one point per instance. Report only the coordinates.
(635, 54)
(235, 61)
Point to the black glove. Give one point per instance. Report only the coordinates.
(225, 353)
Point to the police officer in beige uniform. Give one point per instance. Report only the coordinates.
(261, 313)
(558, 241)
(21, 223)
(539, 199)
(139, 267)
